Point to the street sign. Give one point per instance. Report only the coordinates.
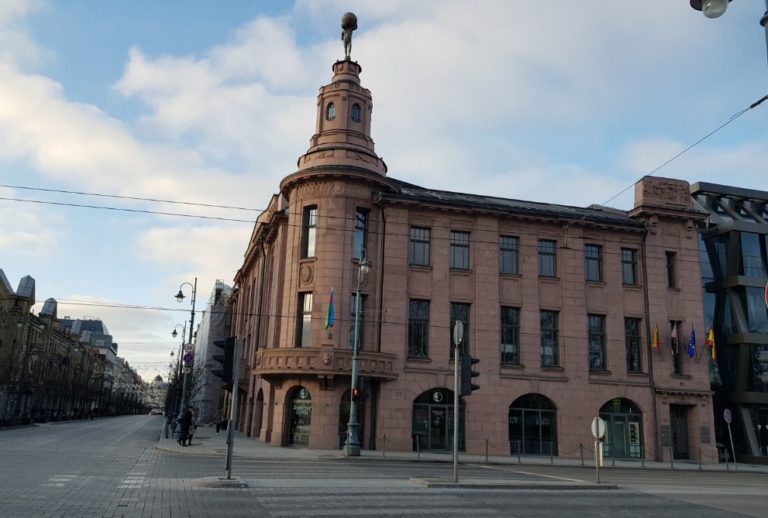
(598, 428)
(458, 332)
(727, 415)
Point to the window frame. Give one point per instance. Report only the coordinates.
(330, 111)
(547, 257)
(633, 343)
(459, 250)
(509, 254)
(549, 333)
(418, 325)
(596, 342)
(455, 308)
(671, 265)
(510, 329)
(356, 112)
(304, 320)
(593, 258)
(423, 243)
(309, 232)
(631, 263)
(360, 233)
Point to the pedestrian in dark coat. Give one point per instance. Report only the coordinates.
(184, 421)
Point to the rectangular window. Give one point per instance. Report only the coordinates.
(418, 329)
(360, 237)
(547, 258)
(596, 325)
(593, 260)
(632, 340)
(460, 312)
(309, 232)
(510, 335)
(418, 253)
(304, 332)
(671, 274)
(674, 343)
(629, 266)
(550, 356)
(509, 248)
(360, 322)
(459, 250)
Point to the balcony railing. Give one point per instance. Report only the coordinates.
(323, 361)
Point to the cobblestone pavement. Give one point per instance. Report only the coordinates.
(113, 467)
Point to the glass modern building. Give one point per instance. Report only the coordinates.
(734, 252)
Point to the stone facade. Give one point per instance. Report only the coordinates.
(296, 372)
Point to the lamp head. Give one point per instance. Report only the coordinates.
(365, 266)
(710, 8)
(179, 296)
(174, 334)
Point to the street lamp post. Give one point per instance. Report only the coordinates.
(180, 358)
(715, 8)
(352, 446)
(179, 298)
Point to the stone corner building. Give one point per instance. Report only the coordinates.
(559, 303)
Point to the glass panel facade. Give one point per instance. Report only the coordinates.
(752, 255)
(759, 368)
(757, 313)
(418, 329)
(510, 335)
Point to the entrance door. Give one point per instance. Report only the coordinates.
(432, 425)
(438, 429)
(300, 418)
(679, 417)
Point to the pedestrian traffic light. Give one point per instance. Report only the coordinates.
(356, 395)
(467, 361)
(227, 359)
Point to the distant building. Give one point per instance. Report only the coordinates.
(214, 325)
(573, 312)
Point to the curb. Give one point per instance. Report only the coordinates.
(499, 484)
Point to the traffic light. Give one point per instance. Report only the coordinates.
(467, 362)
(356, 395)
(226, 360)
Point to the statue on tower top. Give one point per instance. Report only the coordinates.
(348, 24)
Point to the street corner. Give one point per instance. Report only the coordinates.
(219, 483)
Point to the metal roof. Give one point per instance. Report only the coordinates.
(594, 213)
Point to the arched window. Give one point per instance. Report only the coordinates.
(623, 429)
(330, 112)
(532, 426)
(356, 112)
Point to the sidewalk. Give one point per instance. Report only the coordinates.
(207, 442)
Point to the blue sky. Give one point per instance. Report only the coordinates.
(560, 101)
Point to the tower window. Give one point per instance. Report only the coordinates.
(330, 112)
(356, 112)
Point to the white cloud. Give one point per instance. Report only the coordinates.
(16, 47)
(25, 229)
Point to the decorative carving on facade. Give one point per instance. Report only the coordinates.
(356, 156)
(665, 193)
(326, 359)
(306, 274)
(318, 189)
(285, 361)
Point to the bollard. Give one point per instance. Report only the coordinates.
(518, 457)
(581, 453)
(384, 450)
(671, 458)
(418, 448)
(486, 451)
(700, 459)
(551, 457)
(613, 460)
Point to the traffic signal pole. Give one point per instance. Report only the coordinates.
(233, 405)
(458, 336)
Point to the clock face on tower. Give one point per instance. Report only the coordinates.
(437, 397)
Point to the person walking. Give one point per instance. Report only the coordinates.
(219, 421)
(184, 422)
(192, 425)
